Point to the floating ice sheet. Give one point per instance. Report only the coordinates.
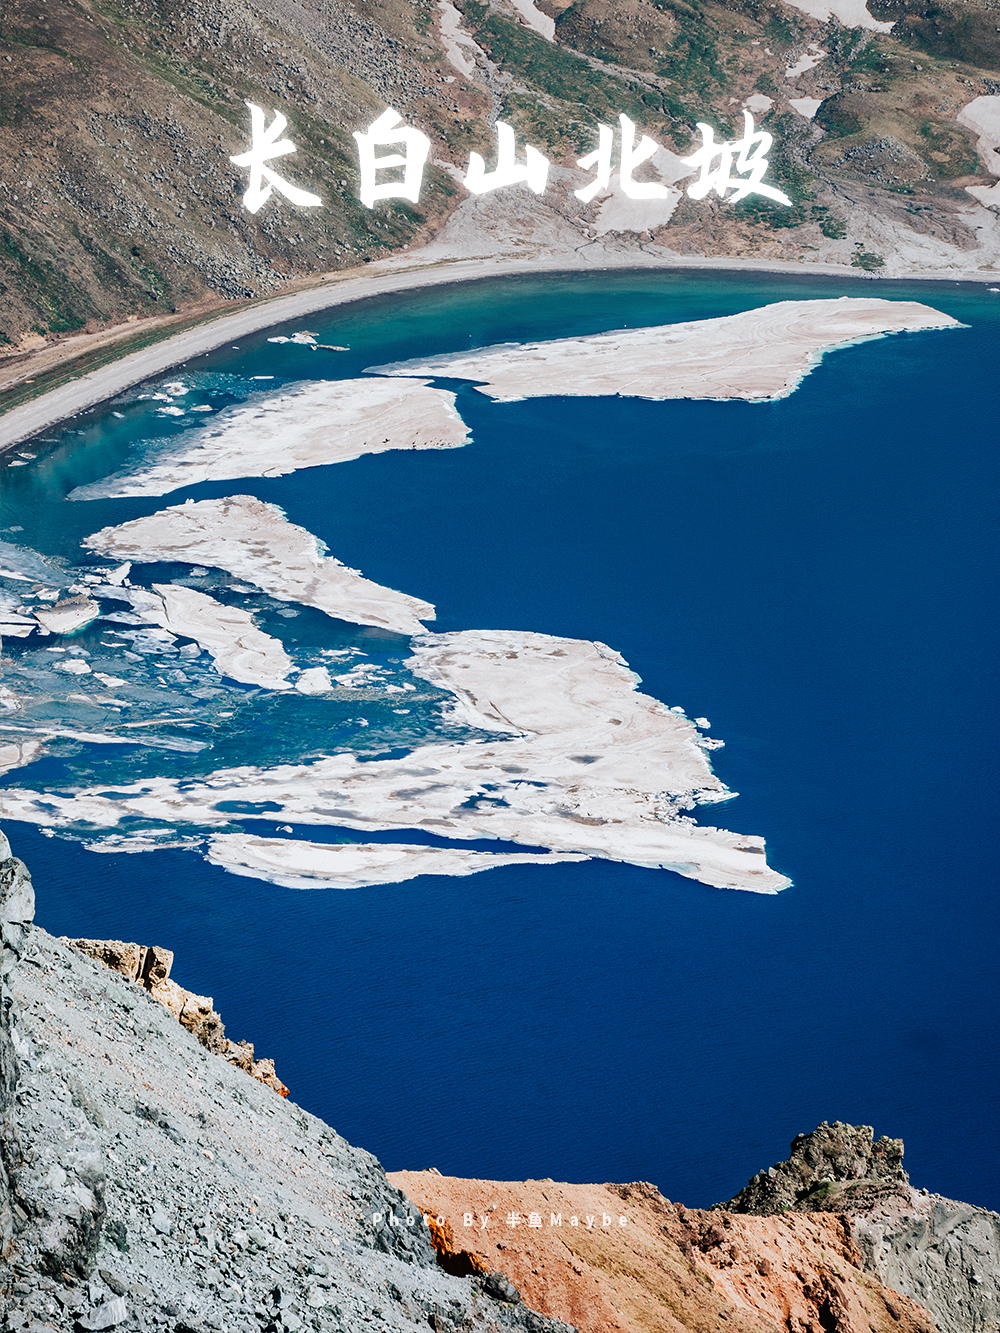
(238, 648)
(26, 566)
(585, 765)
(256, 542)
(331, 421)
(355, 865)
(760, 354)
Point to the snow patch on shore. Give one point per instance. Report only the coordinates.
(256, 542)
(982, 116)
(761, 354)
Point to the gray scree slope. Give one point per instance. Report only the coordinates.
(148, 1184)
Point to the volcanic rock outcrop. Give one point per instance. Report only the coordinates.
(943, 1253)
(623, 1259)
(149, 967)
(148, 1185)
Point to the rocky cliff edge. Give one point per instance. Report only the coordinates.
(149, 1184)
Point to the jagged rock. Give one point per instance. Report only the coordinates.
(116, 954)
(17, 910)
(149, 966)
(836, 1168)
(69, 1207)
(17, 900)
(941, 1253)
(59, 1200)
(500, 1288)
(107, 1315)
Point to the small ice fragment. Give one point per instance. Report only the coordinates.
(314, 680)
(702, 722)
(119, 415)
(262, 377)
(677, 709)
(69, 615)
(74, 667)
(170, 411)
(202, 407)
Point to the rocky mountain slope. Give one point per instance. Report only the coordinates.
(151, 1184)
(147, 1182)
(834, 1239)
(118, 118)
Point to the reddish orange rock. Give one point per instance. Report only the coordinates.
(665, 1268)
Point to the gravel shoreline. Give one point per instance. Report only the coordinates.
(387, 276)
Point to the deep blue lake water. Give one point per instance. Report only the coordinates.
(818, 577)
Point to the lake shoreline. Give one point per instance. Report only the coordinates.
(388, 277)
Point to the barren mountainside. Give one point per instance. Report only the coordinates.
(118, 118)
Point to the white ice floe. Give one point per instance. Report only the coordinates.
(319, 865)
(982, 115)
(178, 743)
(760, 354)
(330, 421)
(14, 624)
(68, 616)
(228, 634)
(306, 339)
(25, 566)
(238, 648)
(255, 541)
(585, 764)
(73, 666)
(15, 754)
(314, 680)
(851, 13)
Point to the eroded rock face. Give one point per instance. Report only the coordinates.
(622, 1257)
(149, 966)
(51, 1192)
(160, 1189)
(836, 1168)
(942, 1253)
(17, 907)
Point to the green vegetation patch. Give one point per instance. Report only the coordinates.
(558, 73)
(866, 259)
(53, 293)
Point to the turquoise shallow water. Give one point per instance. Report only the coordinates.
(816, 576)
